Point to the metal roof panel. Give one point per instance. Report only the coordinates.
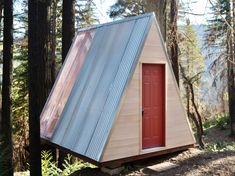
(125, 72)
(88, 115)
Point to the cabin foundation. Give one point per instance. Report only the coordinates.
(112, 171)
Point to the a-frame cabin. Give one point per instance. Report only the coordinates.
(116, 98)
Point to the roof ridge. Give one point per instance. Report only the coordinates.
(117, 21)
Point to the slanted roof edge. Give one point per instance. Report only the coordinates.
(117, 21)
(151, 20)
(174, 79)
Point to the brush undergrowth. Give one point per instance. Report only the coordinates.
(219, 120)
(220, 146)
(50, 167)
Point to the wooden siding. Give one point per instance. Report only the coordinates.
(120, 144)
(125, 139)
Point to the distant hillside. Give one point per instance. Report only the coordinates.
(200, 31)
(208, 93)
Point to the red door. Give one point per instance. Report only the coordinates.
(153, 100)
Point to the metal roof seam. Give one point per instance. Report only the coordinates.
(83, 96)
(111, 86)
(94, 101)
(56, 138)
(80, 98)
(96, 152)
(54, 86)
(99, 79)
(78, 53)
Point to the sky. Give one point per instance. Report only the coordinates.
(103, 7)
(200, 7)
(193, 6)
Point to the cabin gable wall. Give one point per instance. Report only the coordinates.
(125, 139)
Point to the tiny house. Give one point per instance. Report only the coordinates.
(116, 98)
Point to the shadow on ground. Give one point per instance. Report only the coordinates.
(191, 163)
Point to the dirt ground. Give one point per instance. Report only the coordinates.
(193, 162)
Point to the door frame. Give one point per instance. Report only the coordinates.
(141, 150)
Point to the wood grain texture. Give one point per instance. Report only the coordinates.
(125, 139)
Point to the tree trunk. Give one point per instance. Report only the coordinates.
(187, 99)
(159, 7)
(1, 17)
(39, 81)
(173, 42)
(68, 32)
(51, 64)
(197, 119)
(199, 134)
(68, 26)
(195, 107)
(233, 94)
(6, 165)
(231, 90)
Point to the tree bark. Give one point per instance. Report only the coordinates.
(199, 134)
(233, 95)
(68, 32)
(231, 86)
(39, 81)
(51, 62)
(197, 119)
(187, 99)
(6, 164)
(159, 8)
(173, 42)
(195, 107)
(68, 26)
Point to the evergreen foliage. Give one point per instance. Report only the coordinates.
(220, 37)
(191, 60)
(85, 13)
(6, 143)
(20, 109)
(127, 8)
(216, 42)
(190, 53)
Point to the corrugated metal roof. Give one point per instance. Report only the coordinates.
(88, 115)
(65, 82)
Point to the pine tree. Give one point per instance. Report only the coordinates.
(159, 8)
(39, 79)
(68, 26)
(191, 57)
(127, 8)
(6, 149)
(85, 14)
(219, 38)
(68, 32)
(135, 7)
(173, 38)
(192, 65)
